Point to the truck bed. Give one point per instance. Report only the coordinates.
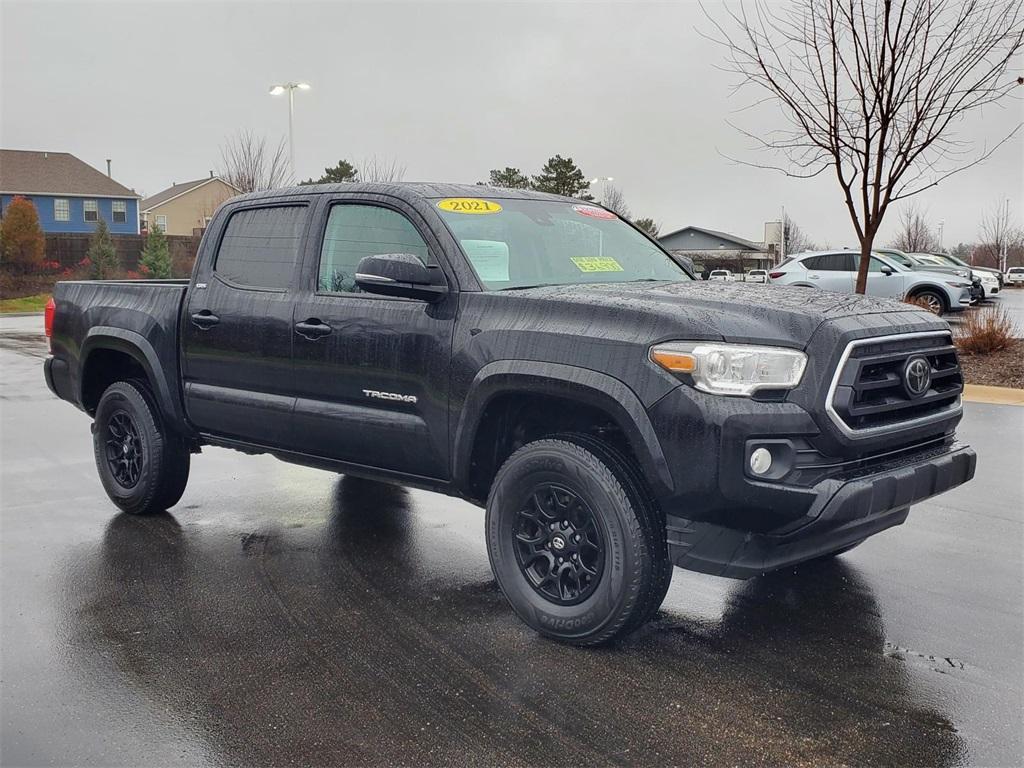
(144, 313)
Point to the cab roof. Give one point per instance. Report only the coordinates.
(411, 191)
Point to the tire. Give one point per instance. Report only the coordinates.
(610, 582)
(931, 300)
(143, 467)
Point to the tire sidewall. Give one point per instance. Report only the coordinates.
(126, 397)
(511, 491)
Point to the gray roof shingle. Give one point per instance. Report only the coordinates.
(54, 173)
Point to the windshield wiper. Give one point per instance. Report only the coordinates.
(525, 287)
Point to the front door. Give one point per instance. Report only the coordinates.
(885, 280)
(371, 372)
(237, 328)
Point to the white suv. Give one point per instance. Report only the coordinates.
(1015, 275)
(940, 292)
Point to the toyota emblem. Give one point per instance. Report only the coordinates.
(917, 376)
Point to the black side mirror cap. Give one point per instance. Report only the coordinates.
(400, 274)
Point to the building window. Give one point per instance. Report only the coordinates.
(91, 210)
(120, 212)
(61, 209)
(161, 223)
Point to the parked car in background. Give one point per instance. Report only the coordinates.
(950, 259)
(756, 276)
(925, 262)
(940, 292)
(989, 276)
(1015, 275)
(720, 274)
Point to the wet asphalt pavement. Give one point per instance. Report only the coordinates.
(286, 616)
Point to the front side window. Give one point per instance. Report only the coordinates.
(120, 212)
(355, 231)
(522, 243)
(61, 209)
(91, 210)
(260, 246)
(877, 265)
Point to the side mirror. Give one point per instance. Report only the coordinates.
(400, 274)
(887, 270)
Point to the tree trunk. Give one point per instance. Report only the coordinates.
(865, 261)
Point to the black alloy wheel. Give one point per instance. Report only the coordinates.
(124, 449)
(559, 546)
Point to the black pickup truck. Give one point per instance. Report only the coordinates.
(535, 355)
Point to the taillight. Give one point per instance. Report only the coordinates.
(775, 275)
(51, 307)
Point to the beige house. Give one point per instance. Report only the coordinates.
(184, 209)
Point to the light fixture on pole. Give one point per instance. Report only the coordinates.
(604, 185)
(277, 90)
(942, 226)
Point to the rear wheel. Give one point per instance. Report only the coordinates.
(143, 467)
(573, 542)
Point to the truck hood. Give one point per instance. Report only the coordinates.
(737, 312)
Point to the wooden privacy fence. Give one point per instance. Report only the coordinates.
(70, 249)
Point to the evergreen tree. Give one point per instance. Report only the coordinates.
(648, 225)
(156, 255)
(102, 254)
(561, 176)
(342, 172)
(509, 178)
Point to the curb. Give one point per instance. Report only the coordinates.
(977, 393)
(20, 314)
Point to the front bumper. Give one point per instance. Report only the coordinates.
(847, 509)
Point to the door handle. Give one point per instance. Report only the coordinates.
(205, 320)
(312, 329)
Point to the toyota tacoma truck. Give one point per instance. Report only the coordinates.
(537, 356)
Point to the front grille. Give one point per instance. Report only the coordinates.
(872, 391)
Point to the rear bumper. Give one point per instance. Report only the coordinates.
(58, 378)
(847, 510)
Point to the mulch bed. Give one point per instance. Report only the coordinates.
(997, 369)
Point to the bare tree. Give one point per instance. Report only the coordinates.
(249, 164)
(796, 240)
(999, 234)
(381, 169)
(615, 201)
(873, 90)
(915, 234)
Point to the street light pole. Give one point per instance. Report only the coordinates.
(604, 185)
(277, 90)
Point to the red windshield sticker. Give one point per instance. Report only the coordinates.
(594, 212)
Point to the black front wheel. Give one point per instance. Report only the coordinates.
(574, 542)
(143, 466)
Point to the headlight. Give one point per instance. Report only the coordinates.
(732, 369)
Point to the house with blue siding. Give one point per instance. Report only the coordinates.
(69, 195)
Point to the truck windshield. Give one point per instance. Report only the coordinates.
(526, 243)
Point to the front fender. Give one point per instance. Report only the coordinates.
(584, 385)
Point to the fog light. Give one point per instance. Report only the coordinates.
(760, 461)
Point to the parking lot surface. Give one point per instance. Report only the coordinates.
(282, 615)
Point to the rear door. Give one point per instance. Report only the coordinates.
(237, 327)
(832, 272)
(371, 372)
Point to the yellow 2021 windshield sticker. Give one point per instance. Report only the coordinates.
(468, 205)
(596, 264)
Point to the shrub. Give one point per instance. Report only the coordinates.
(22, 243)
(986, 330)
(155, 260)
(102, 254)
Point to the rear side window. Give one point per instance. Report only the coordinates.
(355, 231)
(831, 262)
(260, 246)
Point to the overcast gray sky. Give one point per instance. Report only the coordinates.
(628, 90)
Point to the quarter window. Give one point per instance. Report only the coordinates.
(355, 231)
(91, 211)
(120, 212)
(61, 209)
(260, 246)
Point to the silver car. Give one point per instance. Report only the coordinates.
(837, 271)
